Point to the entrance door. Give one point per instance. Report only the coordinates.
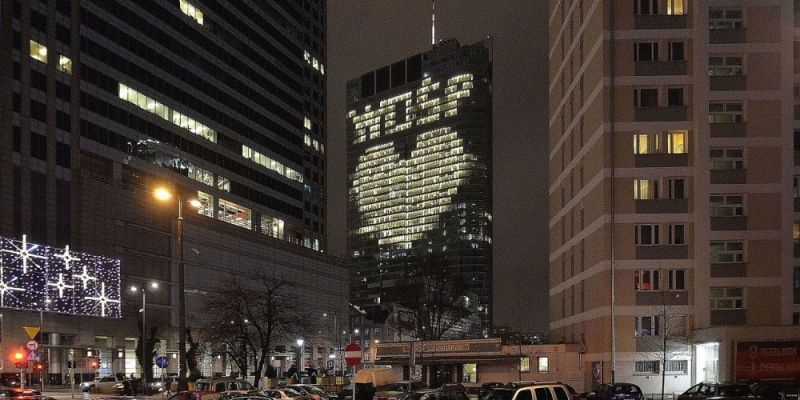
(707, 364)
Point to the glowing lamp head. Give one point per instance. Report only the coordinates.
(18, 356)
(195, 203)
(300, 342)
(162, 194)
(153, 285)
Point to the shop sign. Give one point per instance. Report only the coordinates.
(767, 360)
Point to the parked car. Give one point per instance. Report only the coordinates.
(453, 386)
(284, 394)
(543, 391)
(312, 392)
(214, 387)
(616, 391)
(394, 390)
(435, 394)
(185, 396)
(499, 393)
(487, 387)
(22, 394)
(778, 390)
(715, 391)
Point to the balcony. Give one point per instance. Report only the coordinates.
(662, 252)
(727, 36)
(662, 206)
(728, 270)
(661, 160)
(728, 176)
(661, 114)
(728, 317)
(736, 129)
(660, 22)
(657, 68)
(728, 223)
(721, 83)
(655, 298)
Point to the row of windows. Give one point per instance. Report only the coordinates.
(668, 7)
(650, 280)
(38, 52)
(649, 234)
(181, 73)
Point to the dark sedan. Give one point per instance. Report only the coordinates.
(718, 391)
(616, 391)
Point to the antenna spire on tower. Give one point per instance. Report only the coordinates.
(433, 21)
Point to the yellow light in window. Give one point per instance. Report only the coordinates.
(64, 64)
(38, 51)
(677, 142)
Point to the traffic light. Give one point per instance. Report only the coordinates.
(94, 362)
(39, 366)
(18, 356)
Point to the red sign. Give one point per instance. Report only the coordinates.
(352, 354)
(767, 360)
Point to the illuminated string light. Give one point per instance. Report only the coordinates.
(42, 278)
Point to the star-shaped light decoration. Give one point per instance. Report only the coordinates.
(24, 253)
(60, 285)
(85, 277)
(67, 258)
(102, 299)
(6, 287)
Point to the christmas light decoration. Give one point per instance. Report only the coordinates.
(42, 278)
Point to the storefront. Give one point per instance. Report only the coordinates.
(476, 361)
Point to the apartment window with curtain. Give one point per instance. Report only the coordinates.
(675, 97)
(719, 65)
(727, 298)
(676, 142)
(677, 51)
(677, 7)
(645, 189)
(647, 143)
(645, 7)
(677, 234)
(645, 97)
(648, 326)
(677, 188)
(725, 112)
(646, 280)
(676, 279)
(724, 18)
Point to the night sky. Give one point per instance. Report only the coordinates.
(365, 35)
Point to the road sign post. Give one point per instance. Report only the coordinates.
(352, 354)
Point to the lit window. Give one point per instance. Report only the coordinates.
(306, 123)
(646, 143)
(525, 364)
(201, 175)
(543, 364)
(64, 64)
(223, 184)
(676, 142)
(646, 280)
(206, 204)
(676, 366)
(272, 226)
(233, 213)
(727, 298)
(191, 11)
(676, 7)
(469, 373)
(645, 189)
(38, 52)
(796, 232)
(726, 252)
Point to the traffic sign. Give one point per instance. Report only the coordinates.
(32, 345)
(162, 361)
(32, 331)
(352, 354)
(34, 355)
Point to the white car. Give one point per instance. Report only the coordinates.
(105, 385)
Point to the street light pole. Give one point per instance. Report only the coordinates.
(144, 341)
(182, 384)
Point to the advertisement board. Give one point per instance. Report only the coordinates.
(767, 360)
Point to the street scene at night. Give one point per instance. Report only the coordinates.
(400, 199)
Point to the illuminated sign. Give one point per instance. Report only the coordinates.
(42, 278)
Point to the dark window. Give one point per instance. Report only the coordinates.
(381, 79)
(647, 51)
(63, 212)
(677, 51)
(38, 146)
(17, 138)
(543, 394)
(644, 7)
(524, 394)
(38, 207)
(63, 155)
(38, 111)
(646, 98)
(561, 394)
(677, 188)
(675, 97)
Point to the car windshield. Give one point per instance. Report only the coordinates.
(291, 392)
(315, 390)
(502, 394)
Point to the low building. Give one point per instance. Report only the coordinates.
(475, 361)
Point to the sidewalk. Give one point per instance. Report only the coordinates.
(65, 393)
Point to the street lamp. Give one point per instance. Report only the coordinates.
(143, 289)
(163, 194)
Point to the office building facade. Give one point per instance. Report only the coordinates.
(673, 181)
(222, 101)
(419, 173)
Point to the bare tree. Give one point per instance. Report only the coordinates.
(436, 298)
(245, 320)
(669, 341)
(151, 345)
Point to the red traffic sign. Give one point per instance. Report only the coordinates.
(352, 354)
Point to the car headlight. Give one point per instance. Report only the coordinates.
(119, 386)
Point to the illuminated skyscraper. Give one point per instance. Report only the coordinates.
(419, 171)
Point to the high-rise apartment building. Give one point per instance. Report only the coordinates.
(419, 135)
(673, 187)
(221, 100)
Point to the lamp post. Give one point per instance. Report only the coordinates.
(163, 194)
(302, 344)
(135, 289)
(336, 337)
